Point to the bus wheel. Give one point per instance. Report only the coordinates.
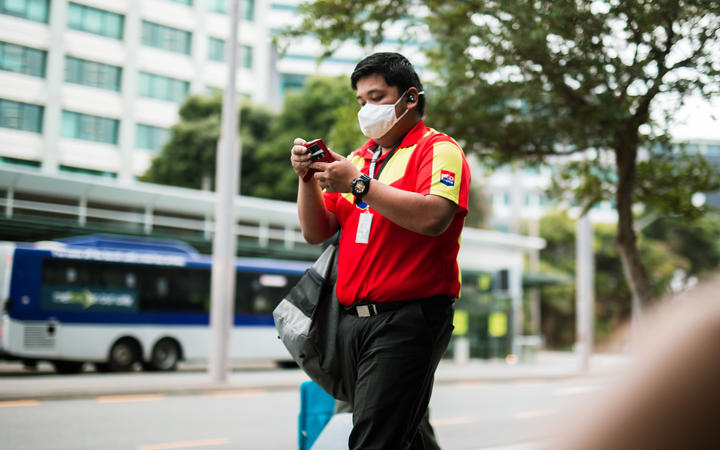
(123, 355)
(165, 355)
(67, 367)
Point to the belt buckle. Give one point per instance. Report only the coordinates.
(365, 310)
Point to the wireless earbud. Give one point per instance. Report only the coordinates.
(411, 98)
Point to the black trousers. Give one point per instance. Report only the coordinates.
(389, 363)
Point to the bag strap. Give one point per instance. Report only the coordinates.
(328, 259)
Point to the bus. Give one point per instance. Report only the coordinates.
(123, 302)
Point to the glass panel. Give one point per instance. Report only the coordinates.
(20, 116)
(38, 10)
(219, 6)
(75, 15)
(114, 25)
(16, 7)
(216, 50)
(246, 56)
(93, 21)
(68, 124)
(33, 118)
(249, 6)
(12, 58)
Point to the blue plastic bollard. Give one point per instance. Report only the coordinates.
(316, 409)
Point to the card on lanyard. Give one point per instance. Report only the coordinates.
(363, 229)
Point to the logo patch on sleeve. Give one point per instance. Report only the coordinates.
(447, 178)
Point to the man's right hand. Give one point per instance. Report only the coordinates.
(299, 157)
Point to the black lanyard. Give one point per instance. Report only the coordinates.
(375, 157)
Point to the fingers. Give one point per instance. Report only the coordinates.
(299, 157)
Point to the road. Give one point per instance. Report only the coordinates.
(466, 415)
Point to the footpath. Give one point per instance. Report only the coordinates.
(45, 385)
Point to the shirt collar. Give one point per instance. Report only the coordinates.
(412, 137)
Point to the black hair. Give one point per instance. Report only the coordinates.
(395, 69)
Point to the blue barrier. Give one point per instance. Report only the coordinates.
(316, 409)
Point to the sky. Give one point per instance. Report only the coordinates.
(697, 119)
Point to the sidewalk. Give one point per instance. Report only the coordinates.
(29, 386)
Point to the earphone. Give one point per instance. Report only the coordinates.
(411, 98)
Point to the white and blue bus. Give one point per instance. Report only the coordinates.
(120, 302)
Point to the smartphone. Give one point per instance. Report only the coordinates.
(318, 152)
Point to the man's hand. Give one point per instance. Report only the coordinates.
(299, 157)
(336, 176)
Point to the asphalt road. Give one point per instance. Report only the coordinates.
(466, 415)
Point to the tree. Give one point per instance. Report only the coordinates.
(188, 158)
(612, 296)
(321, 109)
(325, 108)
(579, 79)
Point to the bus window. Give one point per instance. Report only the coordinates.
(260, 293)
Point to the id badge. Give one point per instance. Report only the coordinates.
(363, 229)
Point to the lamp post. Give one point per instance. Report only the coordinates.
(222, 285)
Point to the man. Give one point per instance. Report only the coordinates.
(401, 201)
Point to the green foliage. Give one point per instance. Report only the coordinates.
(189, 156)
(325, 108)
(320, 110)
(612, 296)
(525, 80)
(697, 241)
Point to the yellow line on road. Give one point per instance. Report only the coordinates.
(185, 444)
(450, 421)
(129, 398)
(13, 403)
(531, 414)
(239, 393)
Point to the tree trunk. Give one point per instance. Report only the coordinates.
(625, 240)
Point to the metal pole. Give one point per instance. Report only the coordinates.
(584, 282)
(222, 286)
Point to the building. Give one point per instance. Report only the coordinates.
(93, 86)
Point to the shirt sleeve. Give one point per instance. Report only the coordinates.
(331, 199)
(445, 173)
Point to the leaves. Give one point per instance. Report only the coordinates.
(324, 108)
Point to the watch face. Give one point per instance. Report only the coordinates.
(360, 186)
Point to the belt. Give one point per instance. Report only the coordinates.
(367, 309)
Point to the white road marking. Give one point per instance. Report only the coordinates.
(185, 444)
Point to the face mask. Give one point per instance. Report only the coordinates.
(377, 120)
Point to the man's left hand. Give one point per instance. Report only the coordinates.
(336, 176)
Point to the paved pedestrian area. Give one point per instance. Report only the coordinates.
(16, 384)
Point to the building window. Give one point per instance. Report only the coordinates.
(166, 38)
(151, 138)
(163, 88)
(96, 21)
(223, 7)
(21, 116)
(89, 128)
(90, 172)
(283, 7)
(216, 52)
(219, 6)
(19, 162)
(94, 74)
(292, 82)
(25, 60)
(37, 10)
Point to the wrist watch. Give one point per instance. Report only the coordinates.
(360, 187)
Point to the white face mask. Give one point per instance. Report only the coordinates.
(377, 120)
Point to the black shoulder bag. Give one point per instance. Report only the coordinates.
(306, 321)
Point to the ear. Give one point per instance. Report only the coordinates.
(412, 97)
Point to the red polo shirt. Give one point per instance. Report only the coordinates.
(398, 264)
